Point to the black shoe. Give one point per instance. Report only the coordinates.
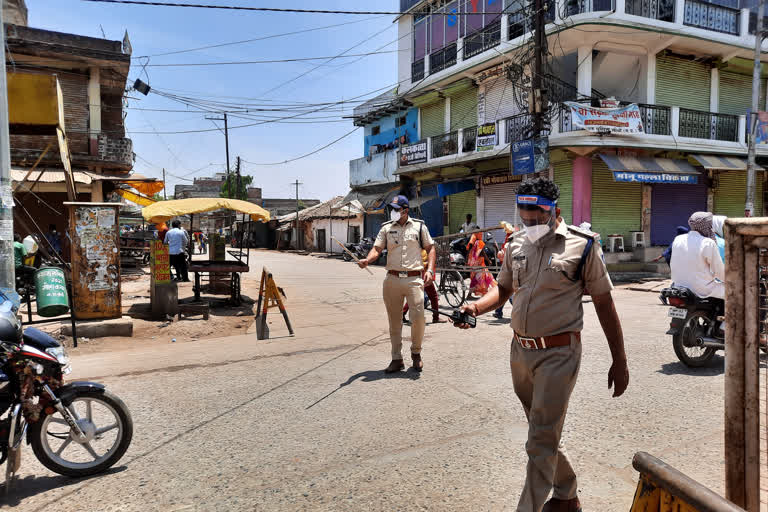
(418, 364)
(395, 366)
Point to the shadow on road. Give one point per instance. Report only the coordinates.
(716, 367)
(372, 376)
(30, 486)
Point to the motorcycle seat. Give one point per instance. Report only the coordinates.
(38, 339)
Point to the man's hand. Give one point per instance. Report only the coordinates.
(469, 308)
(362, 263)
(618, 377)
(429, 278)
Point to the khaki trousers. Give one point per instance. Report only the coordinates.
(543, 381)
(412, 290)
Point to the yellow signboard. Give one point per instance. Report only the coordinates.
(33, 103)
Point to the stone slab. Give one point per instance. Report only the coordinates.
(101, 328)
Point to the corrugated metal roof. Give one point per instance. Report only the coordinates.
(723, 163)
(648, 164)
(48, 176)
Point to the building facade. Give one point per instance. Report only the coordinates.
(686, 64)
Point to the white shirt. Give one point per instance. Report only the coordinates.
(696, 263)
(469, 226)
(177, 240)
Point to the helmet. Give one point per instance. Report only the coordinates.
(10, 327)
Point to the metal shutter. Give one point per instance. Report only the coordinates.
(464, 109)
(671, 206)
(459, 205)
(433, 119)
(731, 192)
(500, 204)
(616, 207)
(500, 100)
(736, 94)
(564, 180)
(682, 83)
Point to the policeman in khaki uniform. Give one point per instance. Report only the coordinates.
(404, 238)
(548, 267)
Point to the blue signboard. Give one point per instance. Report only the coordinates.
(522, 157)
(654, 177)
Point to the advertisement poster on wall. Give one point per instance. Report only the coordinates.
(606, 120)
(415, 153)
(486, 137)
(761, 136)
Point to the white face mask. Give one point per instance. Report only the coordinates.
(535, 233)
(395, 215)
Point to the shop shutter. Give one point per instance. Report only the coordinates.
(500, 100)
(735, 93)
(464, 109)
(433, 120)
(459, 205)
(682, 83)
(500, 204)
(731, 192)
(564, 180)
(373, 225)
(616, 207)
(671, 206)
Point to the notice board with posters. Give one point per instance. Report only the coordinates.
(94, 234)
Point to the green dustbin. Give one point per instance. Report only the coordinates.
(51, 291)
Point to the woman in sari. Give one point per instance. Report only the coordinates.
(480, 281)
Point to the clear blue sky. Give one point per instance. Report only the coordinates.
(154, 30)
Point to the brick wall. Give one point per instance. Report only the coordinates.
(115, 150)
(112, 115)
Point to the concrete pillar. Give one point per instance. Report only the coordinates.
(714, 89)
(646, 217)
(504, 28)
(620, 6)
(679, 12)
(675, 121)
(742, 129)
(447, 120)
(582, 190)
(711, 193)
(94, 108)
(744, 23)
(584, 73)
(650, 79)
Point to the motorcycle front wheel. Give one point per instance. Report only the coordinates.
(696, 325)
(108, 429)
(345, 256)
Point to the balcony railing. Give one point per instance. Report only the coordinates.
(522, 22)
(581, 6)
(518, 127)
(662, 10)
(444, 145)
(708, 125)
(442, 59)
(469, 136)
(711, 17)
(417, 70)
(482, 40)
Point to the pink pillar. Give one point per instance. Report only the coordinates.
(582, 190)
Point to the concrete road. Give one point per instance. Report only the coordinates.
(312, 423)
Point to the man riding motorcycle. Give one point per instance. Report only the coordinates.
(696, 262)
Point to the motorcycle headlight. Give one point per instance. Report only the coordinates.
(60, 354)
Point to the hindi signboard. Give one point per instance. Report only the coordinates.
(486, 137)
(654, 177)
(161, 263)
(606, 120)
(415, 153)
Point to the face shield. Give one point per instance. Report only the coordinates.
(537, 214)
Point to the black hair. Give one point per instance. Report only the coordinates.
(540, 187)
(469, 215)
(176, 224)
(16, 237)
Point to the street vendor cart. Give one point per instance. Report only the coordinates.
(164, 211)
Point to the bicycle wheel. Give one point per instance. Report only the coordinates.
(453, 288)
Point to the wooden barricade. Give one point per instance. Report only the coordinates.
(269, 297)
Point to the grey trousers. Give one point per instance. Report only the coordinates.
(543, 381)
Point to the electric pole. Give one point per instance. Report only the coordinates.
(226, 146)
(7, 269)
(238, 184)
(749, 206)
(297, 183)
(538, 105)
(164, 194)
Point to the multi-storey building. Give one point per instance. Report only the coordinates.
(685, 63)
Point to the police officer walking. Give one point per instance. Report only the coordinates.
(404, 238)
(548, 267)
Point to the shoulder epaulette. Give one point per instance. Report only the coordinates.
(388, 222)
(582, 232)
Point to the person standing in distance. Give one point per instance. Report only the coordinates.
(548, 267)
(468, 226)
(404, 238)
(177, 240)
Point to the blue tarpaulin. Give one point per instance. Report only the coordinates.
(454, 187)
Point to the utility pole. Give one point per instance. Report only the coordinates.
(164, 187)
(749, 206)
(7, 270)
(297, 183)
(226, 147)
(539, 102)
(238, 180)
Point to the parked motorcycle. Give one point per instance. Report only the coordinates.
(695, 326)
(361, 250)
(75, 429)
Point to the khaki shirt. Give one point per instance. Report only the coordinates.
(547, 302)
(402, 244)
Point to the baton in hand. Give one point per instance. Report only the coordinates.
(458, 317)
(350, 253)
